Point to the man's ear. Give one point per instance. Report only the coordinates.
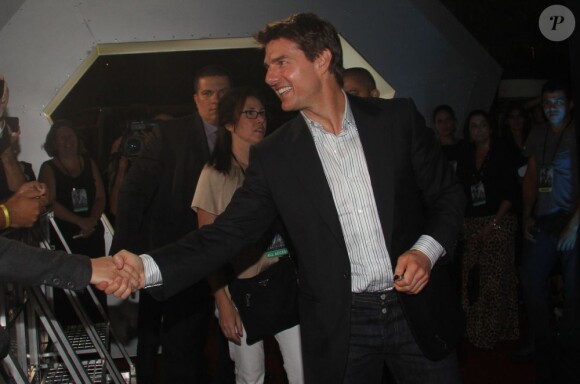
(323, 60)
(230, 127)
(375, 93)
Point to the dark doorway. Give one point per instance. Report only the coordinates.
(119, 89)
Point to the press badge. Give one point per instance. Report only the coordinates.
(277, 247)
(546, 178)
(80, 200)
(478, 194)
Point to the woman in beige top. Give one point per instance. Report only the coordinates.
(242, 123)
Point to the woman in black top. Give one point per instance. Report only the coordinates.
(75, 184)
(487, 171)
(78, 199)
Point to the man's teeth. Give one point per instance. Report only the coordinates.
(282, 91)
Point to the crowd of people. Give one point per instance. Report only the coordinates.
(355, 235)
(520, 178)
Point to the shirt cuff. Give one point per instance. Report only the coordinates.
(153, 276)
(430, 247)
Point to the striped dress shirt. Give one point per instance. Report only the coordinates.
(346, 172)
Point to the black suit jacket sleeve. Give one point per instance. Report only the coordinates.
(249, 214)
(27, 265)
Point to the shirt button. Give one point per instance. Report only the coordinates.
(383, 296)
(384, 310)
(56, 282)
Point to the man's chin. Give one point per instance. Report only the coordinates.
(288, 106)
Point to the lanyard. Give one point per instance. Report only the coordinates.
(557, 144)
(239, 165)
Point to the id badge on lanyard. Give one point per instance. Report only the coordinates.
(80, 200)
(546, 178)
(478, 194)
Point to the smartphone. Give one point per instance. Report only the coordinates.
(13, 123)
(1, 88)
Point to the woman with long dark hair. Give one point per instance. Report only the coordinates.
(244, 316)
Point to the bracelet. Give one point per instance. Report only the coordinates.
(495, 225)
(6, 215)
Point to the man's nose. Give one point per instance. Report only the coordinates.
(271, 76)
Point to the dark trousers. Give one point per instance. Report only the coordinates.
(180, 325)
(380, 334)
(554, 358)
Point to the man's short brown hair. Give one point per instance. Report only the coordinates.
(312, 34)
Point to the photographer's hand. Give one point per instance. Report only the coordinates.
(26, 204)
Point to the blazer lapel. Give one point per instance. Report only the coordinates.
(303, 157)
(376, 139)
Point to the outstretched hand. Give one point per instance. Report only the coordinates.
(127, 260)
(413, 268)
(108, 277)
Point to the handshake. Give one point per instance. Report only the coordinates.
(120, 275)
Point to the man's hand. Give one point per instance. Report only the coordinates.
(109, 278)
(414, 269)
(26, 204)
(125, 259)
(528, 224)
(568, 237)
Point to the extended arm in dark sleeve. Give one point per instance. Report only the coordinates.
(249, 214)
(28, 265)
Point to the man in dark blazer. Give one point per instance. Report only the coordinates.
(371, 207)
(154, 209)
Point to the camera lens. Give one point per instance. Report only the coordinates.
(133, 146)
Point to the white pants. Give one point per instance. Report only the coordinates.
(250, 362)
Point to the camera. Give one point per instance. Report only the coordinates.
(135, 137)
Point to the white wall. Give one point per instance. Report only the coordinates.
(416, 45)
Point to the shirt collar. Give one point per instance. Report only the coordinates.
(347, 121)
(209, 129)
